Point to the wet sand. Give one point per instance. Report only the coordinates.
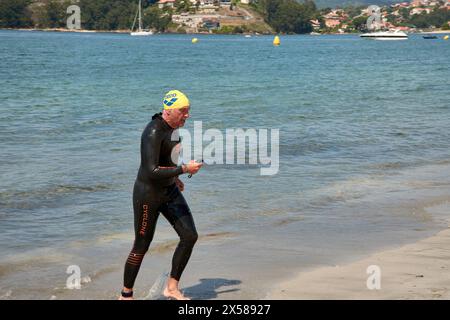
(415, 271)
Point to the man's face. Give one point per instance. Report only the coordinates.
(179, 116)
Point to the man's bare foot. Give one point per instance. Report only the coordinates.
(123, 298)
(174, 294)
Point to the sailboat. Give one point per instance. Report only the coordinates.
(139, 31)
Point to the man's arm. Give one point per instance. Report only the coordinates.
(152, 147)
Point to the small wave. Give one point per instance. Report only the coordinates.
(161, 247)
(216, 235)
(28, 199)
(398, 134)
(348, 190)
(85, 279)
(288, 220)
(164, 247)
(54, 190)
(421, 88)
(379, 185)
(416, 210)
(156, 290)
(327, 200)
(444, 161)
(95, 122)
(31, 260)
(389, 165)
(171, 244)
(269, 212)
(427, 184)
(116, 236)
(97, 274)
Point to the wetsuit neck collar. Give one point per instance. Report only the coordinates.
(159, 116)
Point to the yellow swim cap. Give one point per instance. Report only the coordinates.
(175, 99)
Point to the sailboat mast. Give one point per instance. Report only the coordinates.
(140, 17)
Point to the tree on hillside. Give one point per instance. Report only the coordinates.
(15, 14)
(120, 17)
(309, 7)
(52, 14)
(157, 19)
(288, 16)
(435, 18)
(182, 5)
(108, 14)
(353, 11)
(404, 13)
(360, 23)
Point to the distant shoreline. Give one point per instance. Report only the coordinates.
(437, 31)
(206, 33)
(109, 31)
(98, 31)
(67, 30)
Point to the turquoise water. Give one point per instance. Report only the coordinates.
(364, 135)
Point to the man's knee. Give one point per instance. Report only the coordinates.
(141, 246)
(190, 237)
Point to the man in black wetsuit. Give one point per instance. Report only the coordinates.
(158, 190)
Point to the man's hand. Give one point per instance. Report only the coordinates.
(179, 184)
(192, 167)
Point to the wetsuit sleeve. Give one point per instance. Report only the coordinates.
(151, 149)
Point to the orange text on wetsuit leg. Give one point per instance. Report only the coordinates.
(144, 220)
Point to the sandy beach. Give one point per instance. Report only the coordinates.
(415, 271)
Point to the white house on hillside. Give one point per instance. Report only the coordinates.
(166, 3)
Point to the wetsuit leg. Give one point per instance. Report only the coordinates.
(145, 218)
(177, 212)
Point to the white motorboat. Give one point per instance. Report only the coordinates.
(385, 35)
